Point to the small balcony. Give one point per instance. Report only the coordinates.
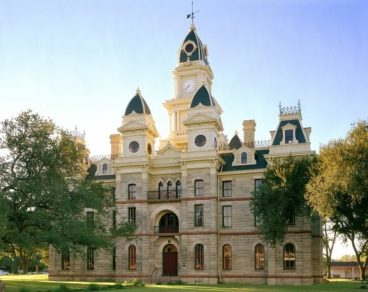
(160, 196)
(166, 230)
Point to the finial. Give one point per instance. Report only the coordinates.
(138, 91)
(299, 106)
(236, 133)
(191, 15)
(280, 107)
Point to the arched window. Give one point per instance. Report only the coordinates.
(178, 189)
(199, 257)
(160, 189)
(169, 189)
(289, 257)
(259, 257)
(198, 187)
(132, 257)
(243, 158)
(90, 258)
(227, 257)
(131, 191)
(104, 168)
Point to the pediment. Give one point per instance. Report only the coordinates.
(168, 151)
(199, 118)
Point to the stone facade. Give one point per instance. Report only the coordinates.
(189, 197)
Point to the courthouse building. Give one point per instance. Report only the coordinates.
(189, 196)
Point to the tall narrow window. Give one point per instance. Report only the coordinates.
(131, 191)
(114, 219)
(169, 189)
(65, 259)
(104, 168)
(289, 136)
(198, 187)
(257, 184)
(198, 215)
(90, 217)
(259, 257)
(199, 257)
(113, 194)
(132, 257)
(114, 258)
(227, 188)
(160, 190)
(289, 257)
(226, 216)
(131, 215)
(290, 214)
(244, 158)
(227, 257)
(90, 258)
(178, 189)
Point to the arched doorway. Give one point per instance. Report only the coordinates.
(170, 260)
(169, 223)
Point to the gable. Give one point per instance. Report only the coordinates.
(299, 134)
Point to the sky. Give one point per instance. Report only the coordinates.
(80, 62)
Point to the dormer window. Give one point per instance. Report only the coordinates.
(289, 136)
(244, 158)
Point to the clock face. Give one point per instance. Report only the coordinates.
(189, 85)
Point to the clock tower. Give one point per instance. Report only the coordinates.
(192, 72)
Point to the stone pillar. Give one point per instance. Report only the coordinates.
(116, 142)
(249, 129)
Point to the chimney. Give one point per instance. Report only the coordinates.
(116, 141)
(249, 128)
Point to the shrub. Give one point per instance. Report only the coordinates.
(24, 290)
(93, 287)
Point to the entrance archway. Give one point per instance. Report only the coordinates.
(170, 260)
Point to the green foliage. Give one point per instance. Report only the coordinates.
(45, 188)
(93, 287)
(281, 192)
(134, 283)
(339, 189)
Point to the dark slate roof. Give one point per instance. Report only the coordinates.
(235, 142)
(138, 105)
(202, 96)
(198, 53)
(260, 161)
(344, 264)
(105, 176)
(298, 132)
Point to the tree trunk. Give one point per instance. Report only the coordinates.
(328, 272)
(362, 272)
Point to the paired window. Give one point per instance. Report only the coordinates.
(198, 215)
(90, 217)
(227, 188)
(199, 257)
(131, 215)
(160, 189)
(132, 258)
(169, 189)
(178, 189)
(226, 216)
(131, 191)
(227, 255)
(90, 258)
(198, 187)
(104, 168)
(65, 259)
(244, 158)
(259, 257)
(289, 257)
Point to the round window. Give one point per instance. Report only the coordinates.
(149, 148)
(189, 48)
(134, 146)
(200, 140)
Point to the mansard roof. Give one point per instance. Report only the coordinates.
(299, 134)
(235, 142)
(202, 97)
(138, 105)
(229, 159)
(199, 51)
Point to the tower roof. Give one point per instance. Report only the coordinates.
(138, 105)
(192, 48)
(202, 97)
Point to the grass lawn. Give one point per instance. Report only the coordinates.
(41, 283)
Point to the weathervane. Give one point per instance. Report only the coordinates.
(191, 15)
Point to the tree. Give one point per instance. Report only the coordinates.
(328, 241)
(45, 188)
(281, 196)
(339, 189)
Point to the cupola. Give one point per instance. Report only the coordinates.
(137, 105)
(202, 97)
(192, 48)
